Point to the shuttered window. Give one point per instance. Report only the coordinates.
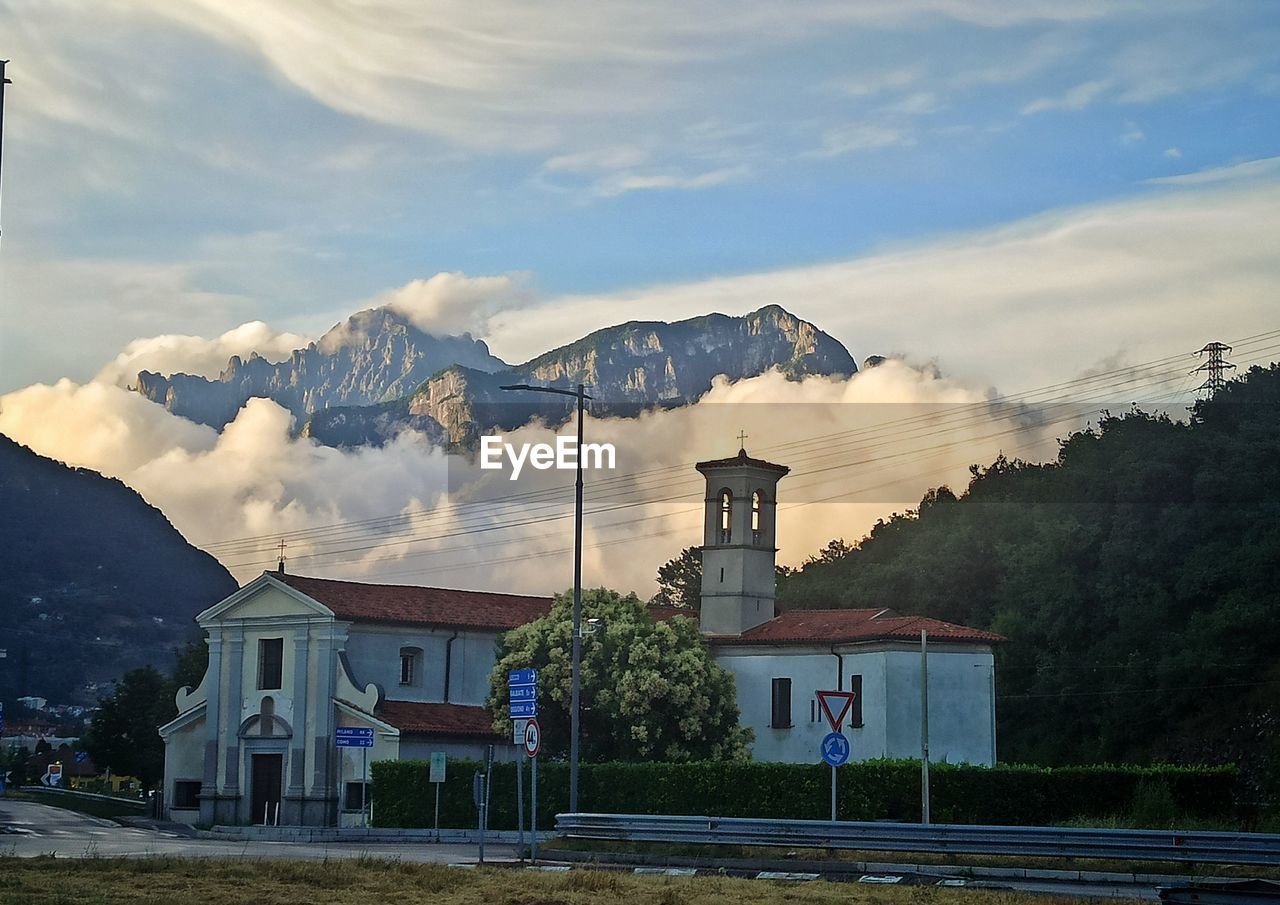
(781, 711)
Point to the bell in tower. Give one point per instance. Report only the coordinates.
(739, 543)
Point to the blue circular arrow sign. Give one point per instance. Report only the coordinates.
(835, 748)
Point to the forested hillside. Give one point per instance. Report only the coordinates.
(1137, 579)
(94, 581)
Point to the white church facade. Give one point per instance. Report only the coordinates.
(292, 659)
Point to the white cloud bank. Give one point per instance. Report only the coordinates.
(174, 353)
(256, 480)
(1036, 301)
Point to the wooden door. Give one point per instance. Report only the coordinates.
(268, 770)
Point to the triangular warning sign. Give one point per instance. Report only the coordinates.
(835, 705)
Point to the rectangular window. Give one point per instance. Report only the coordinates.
(781, 715)
(855, 710)
(270, 663)
(406, 669)
(186, 794)
(354, 798)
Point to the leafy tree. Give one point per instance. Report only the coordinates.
(1136, 578)
(680, 580)
(650, 691)
(190, 664)
(123, 733)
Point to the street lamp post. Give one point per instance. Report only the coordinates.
(576, 667)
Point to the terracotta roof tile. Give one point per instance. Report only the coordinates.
(848, 626)
(741, 459)
(416, 718)
(413, 605)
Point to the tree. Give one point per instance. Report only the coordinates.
(680, 580)
(191, 661)
(650, 691)
(123, 733)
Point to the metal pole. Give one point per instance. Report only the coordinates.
(520, 803)
(437, 812)
(364, 787)
(3, 81)
(533, 811)
(488, 786)
(924, 726)
(574, 716)
(833, 793)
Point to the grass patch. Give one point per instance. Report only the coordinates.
(160, 881)
(707, 853)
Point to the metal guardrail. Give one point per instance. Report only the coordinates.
(1058, 842)
(138, 803)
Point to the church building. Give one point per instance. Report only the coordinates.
(780, 662)
(294, 659)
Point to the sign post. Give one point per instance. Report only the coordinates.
(522, 686)
(437, 778)
(835, 747)
(357, 737)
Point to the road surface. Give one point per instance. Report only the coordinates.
(28, 829)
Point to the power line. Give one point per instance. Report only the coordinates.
(918, 427)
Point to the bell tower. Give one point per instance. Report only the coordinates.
(739, 543)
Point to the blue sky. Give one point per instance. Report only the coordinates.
(184, 167)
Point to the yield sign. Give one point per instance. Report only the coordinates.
(835, 705)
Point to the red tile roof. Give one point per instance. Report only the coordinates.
(741, 459)
(849, 626)
(413, 605)
(415, 718)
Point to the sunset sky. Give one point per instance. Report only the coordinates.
(1004, 195)
(186, 166)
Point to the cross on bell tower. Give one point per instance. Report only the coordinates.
(280, 547)
(738, 547)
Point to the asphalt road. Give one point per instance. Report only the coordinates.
(28, 829)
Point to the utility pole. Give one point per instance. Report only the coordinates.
(1215, 366)
(924, 727)
(3, 81)
(576, 666)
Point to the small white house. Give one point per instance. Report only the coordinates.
(780, 662)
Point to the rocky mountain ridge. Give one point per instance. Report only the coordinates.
(374, 356)
(630, 367)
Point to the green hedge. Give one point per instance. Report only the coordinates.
(870, 790)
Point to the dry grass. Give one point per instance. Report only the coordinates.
(712, 853)
(162, 881)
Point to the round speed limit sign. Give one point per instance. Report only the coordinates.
(532, 738)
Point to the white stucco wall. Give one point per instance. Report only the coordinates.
(374, 654)
(961, 703)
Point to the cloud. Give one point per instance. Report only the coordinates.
(860, 137)
(452, 303)
(1153, 274)
(1077, 98)
(622, 183)
(1173, 153)
(1132, 134)
(1265, 168)
(239, 491)
(172, 353)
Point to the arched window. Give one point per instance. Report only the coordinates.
(757, 503)
(726, 516)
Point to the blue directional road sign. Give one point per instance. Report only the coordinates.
(523, 686)
(353, 737)
(835, 748)
(522, 677)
